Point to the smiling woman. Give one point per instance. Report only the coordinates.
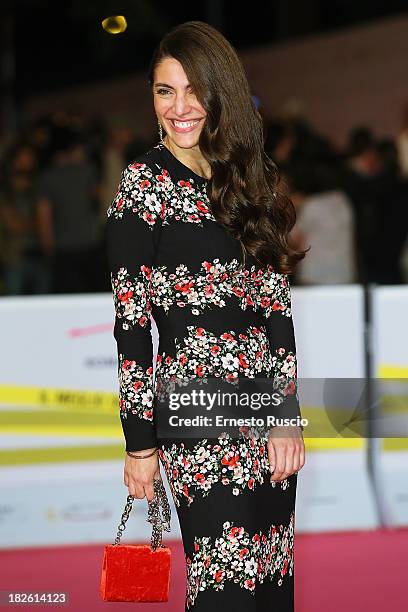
(179, 113)
(184, 214)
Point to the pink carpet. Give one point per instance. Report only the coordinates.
(361, 571)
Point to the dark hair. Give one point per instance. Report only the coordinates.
(244, 190)
(360, 140)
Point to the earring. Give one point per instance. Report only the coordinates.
(160, 131)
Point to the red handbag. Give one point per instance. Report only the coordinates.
(139, 572)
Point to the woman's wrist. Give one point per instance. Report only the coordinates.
(147, 452)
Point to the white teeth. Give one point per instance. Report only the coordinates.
(184, 124)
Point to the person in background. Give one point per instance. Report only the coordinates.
(25, 269)
(370, 180)
(113, 159)
(325, 222)
(68, 198)
(394, 223)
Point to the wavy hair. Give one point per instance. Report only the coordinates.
(245, 190)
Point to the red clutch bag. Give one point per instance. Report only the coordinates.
(139, 572)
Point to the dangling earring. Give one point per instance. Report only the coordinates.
(160, 131)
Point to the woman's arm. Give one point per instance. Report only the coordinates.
(130, 232)
(285, 446)
(278, 322)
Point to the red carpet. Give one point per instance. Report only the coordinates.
(364, 571)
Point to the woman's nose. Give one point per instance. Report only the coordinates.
(181, 106)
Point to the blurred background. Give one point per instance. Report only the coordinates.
(330, 81)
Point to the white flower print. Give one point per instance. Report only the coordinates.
(240, 557)
(240, 464)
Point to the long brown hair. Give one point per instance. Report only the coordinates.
(245, 187)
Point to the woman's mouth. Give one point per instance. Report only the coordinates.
(182, 127)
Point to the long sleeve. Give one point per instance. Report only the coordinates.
(131, 232)
(278, 321)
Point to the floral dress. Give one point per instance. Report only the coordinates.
(170, 260)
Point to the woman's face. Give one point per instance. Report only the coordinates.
(176, 105)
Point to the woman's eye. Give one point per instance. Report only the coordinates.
(162, 91)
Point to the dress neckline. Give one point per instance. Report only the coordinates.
(186, 168)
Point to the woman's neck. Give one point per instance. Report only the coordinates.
(190, 157)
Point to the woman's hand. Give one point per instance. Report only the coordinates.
(140, 473)
(286, 451)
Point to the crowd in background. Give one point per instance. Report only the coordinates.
(59, 175)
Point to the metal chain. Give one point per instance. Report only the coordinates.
(159, 523)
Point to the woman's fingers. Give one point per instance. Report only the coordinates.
(139, 475)
(149, 491)
(271, 457)
(289, 455)
(284, 463)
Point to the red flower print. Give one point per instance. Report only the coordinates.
(146, 271)
(251, 483)
(235, 531)
(142, 321)
(201, 206)
(200, 331)
(231, 377)
(138, 385)
(243, 360)
(162, 210)
(119, 204)
(185, 184)
(200, 370)
(218, 575)
(149, 218)
(238, 291)
(243, 552)
(145, 184)
(199, 477)
(125, 296)
(250, 584)
(184, 287)
(230, 460)
(215, 349)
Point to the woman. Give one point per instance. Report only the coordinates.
(184, 214)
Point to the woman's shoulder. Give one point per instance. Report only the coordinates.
(140, 186)
(149, 163)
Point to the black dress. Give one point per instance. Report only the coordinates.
(170, 258)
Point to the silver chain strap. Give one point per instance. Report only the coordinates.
(159, 522)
